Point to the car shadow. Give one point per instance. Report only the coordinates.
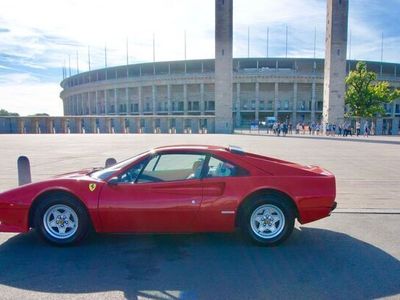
(313, 263)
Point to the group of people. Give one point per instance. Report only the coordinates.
(314, 128)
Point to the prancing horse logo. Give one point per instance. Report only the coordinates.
(92, 186)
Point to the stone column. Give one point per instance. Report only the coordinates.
(257, 92)
(153, 92)
(65, 107)
(294, 107)
(93, 126)
(313, 101)
(63, 126)
(128, 109)
(116, 108)
(238, 116)
(202, 103)
(76, 106)
(105, 102)
(395, 126)
(185, 100)
(335, 60)
(96, 101)
(78, 125)
(169, 99)
(140, 100)
(82, 105)
(89, 104)
(276, 97)
(70, 106)
(21, 125)
(223, 66)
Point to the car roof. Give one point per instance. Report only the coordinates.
(191, 147)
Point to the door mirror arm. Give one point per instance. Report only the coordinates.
(113, 181)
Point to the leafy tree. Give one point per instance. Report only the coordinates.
(365, 96)
(4, 113)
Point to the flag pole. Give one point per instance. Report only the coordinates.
(89, 58)
(77, 62)
(286, 41)
(381, 54)
(127, 51)
(184, 43)
(248, 42)
(154, 48)
(315, 40)
(105, 55)
(267, 41)
(69, 64)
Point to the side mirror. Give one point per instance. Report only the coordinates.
(113, 181)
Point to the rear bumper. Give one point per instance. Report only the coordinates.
(310, 214)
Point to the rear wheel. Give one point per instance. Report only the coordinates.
(268, 220)
(61, 220)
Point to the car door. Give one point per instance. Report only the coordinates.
(222, 191)
(162, 195)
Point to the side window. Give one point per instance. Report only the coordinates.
(219, 168)
(171, 167)
(131, 175)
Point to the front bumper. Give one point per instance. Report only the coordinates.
(334, 205)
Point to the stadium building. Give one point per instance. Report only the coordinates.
(179, 97)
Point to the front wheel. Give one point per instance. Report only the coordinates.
(61, 220)
(269, 220)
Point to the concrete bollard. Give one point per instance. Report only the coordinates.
(110, 162)
(24, 170)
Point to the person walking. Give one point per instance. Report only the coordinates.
(358, 127)
(366, 129)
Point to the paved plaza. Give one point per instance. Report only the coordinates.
(367, 169)
(352, 254)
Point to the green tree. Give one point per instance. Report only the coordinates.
(3, 113)
(365, 96)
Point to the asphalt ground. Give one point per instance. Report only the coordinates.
(355, 253)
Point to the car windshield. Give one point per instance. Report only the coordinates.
(107, 172)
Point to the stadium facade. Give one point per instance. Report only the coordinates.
(179, 96)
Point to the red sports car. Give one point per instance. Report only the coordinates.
(174, 189)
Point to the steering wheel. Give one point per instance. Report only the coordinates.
(149, 178)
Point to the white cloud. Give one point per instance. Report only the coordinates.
(37, 37)
(26, 95)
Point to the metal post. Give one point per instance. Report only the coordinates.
(24, 170)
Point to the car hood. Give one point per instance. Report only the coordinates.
(76, 174)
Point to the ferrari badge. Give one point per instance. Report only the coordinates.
(92, 186)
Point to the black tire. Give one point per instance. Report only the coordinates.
(280, 207)
(49, 233)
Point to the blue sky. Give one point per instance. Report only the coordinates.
(38, 37)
